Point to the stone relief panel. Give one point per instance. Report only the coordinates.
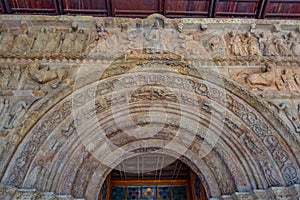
(29, 41)
(106, 38)
(269, 80)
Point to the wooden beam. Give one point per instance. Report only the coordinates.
(7, 7)
(149, 182)
(213, 8)
(59, 7)
(108, 7)
(3, 9)
(261, 9)
(165, 7)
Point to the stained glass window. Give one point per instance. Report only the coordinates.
(133, 193)
(164, 193)
(118, 193)
(179, 193)
(149, 193)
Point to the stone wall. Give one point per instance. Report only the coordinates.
(250, 69)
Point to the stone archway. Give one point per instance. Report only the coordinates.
(237, 144)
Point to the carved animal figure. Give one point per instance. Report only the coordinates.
(262, 79)
(45, 75)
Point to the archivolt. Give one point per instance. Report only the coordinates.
(227, 135)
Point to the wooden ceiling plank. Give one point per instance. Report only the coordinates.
(3, 9)
(259, 10)
(165, 7)
(7, 6)
(212, 8)
(108, 8)
(59, 7)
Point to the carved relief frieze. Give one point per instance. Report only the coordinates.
(269, 80)
(33, 42)
(155, 34)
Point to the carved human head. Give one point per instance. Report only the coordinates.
(180, 27)
(156, 24)
(74, 26)
(277, 28)
(43, 30)
(270, 66)
(81, 31)
(248, 34)
(292, 35)
(232, 33)
(203, 27)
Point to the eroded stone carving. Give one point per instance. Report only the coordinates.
(243, 44)
(269, 173)
(274, 79)
(290, 111)
(22, 43)
(43, 74)
(40, 41)
(7, 41)
(68, 41)
(54, 41)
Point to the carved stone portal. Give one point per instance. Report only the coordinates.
(82, 95)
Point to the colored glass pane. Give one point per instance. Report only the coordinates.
(164, 193)
(118, 193)
(179, 193)
(149, 193)
(133, 193)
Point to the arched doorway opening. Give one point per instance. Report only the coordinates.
(152, 176)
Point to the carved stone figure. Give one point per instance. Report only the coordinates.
(282, 46)
(14, 114)
(235, 44)
(291, 114)
(54, 41)
(216, 44)
(45, 75)
(252, 145)
(290, 79)
(180, 27)
(23, 43)
(251, 44)
(4, 111)
(80, 42)
(7, 41)
(267, 168)
(68, 41)
(40, 42)
(5, 76)
(295, 43)
(153, 39)
(267, 45)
